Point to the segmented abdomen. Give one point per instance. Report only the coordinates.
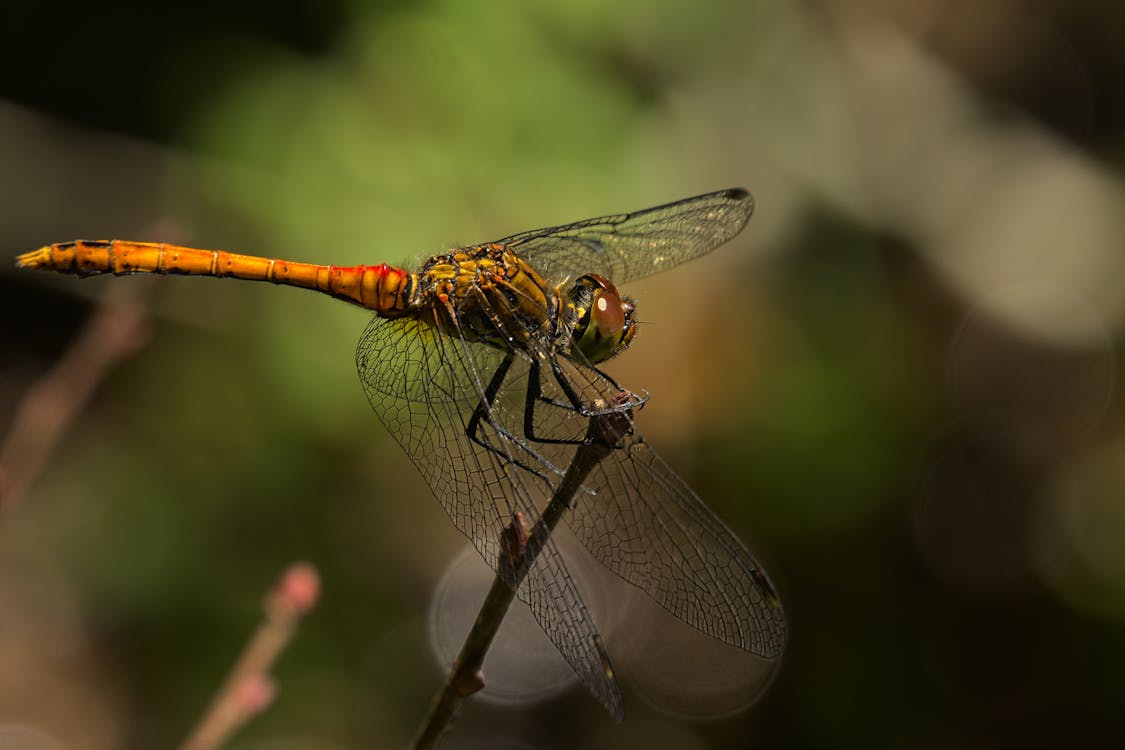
(382, 288)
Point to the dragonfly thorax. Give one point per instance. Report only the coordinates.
(489, 295)
(604, 321)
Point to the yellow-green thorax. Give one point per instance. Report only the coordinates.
(489, 294)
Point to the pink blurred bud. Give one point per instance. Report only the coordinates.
(254, 694)
(299, 588)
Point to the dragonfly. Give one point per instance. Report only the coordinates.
(485, 365)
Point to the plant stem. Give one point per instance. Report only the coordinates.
(249, 689)
(115, 331)
(519, 549)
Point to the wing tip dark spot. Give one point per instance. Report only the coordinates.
(741, 200)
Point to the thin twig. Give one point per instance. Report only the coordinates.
(115, 331)
(519, 549)
(249, 689)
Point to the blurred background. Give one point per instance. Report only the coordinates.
(899, 384)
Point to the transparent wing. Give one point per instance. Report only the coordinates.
(647, 526)
(642, 521)
(425, 387)
(629, 246)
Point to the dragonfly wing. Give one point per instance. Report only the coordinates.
(629, 246)
(638, 518)
(425, 386)
(550, 592)
(647, 526)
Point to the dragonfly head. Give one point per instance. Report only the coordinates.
(604, 319)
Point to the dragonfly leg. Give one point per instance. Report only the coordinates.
(573, 403)
(534, 395)
(484, 406)
(483, 414)
(624, 400)
(630, 400)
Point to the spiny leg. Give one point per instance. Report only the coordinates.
(534, 395)
(484, 406)
(483, 413)
(573, 404)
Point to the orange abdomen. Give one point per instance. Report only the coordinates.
(382, 288)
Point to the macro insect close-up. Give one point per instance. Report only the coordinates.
(836, 463)
(487, 375)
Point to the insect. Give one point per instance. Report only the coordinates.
(485, 365)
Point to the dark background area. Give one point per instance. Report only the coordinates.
(899, 384)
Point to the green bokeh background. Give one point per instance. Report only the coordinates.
(933, 478)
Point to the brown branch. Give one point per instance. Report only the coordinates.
(518, 550)
(249, 689)
(116, 330)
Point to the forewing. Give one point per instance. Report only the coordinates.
(629, 246)
(425, 386)
(647, 526)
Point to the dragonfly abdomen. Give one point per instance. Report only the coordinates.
(382, 288)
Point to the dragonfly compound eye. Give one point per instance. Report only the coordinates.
(605, 323)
